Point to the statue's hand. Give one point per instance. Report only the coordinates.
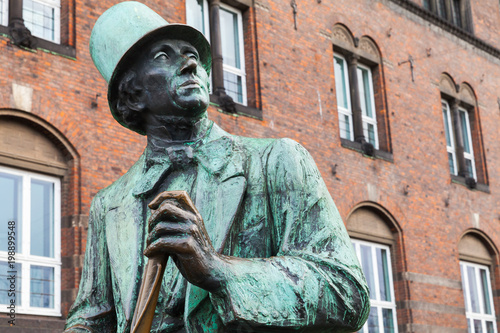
(176, 229)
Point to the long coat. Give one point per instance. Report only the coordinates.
(261, 199)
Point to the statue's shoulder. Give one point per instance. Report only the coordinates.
(125, 183)
(271, 146)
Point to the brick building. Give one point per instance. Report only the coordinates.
(396, 100)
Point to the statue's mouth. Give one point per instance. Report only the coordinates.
(190, 84)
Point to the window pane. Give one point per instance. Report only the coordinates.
(451, 163)
(457, 19)
(2, 13)
(42, 218)
(195, 14)
(345, 126)
(427, 4)
(474, 297)
(388, 320)
(230, 38)
(489, 327)
(442, 8)
(40, 19)
(10, 209)
(373, 320)
(477, 326)
(465, 132)
(468, 166)
(8, 284)
(370, 134)
(446, 119)
(234, 86)
(367, 265)
(340, 84)
(485, 291)
(367, 94)
(466, 297)
(383, 272)
(42, 287)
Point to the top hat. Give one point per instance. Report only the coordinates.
(126, 27)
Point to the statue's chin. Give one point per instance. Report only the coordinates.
(192, 107)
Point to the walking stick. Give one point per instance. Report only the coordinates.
(148, 294)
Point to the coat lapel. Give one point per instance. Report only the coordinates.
(125, 229)
(221, 184)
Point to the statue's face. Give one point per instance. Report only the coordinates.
(174, 82)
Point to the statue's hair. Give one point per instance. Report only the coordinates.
(128, 106)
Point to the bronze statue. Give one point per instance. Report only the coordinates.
(254, 239)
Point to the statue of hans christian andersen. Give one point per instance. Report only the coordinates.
(255, 240)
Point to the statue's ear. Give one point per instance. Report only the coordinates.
(130, 93)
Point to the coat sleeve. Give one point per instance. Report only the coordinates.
(315, 282)
(93, 309)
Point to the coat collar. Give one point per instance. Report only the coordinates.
(212, 154)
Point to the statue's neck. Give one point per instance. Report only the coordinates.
(164, 131)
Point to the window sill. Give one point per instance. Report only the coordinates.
(45, 45)
(478, 186)
(241, 110)
(356, 146)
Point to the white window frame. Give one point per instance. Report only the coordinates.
(56, 4)
(25, 258)
(343, 112)
(361, 88)
(470, 155)
(471, 316)
(449, 127)
(4, 19)
(378, 303)
(206, 18)
(233, 70)
(227, 68)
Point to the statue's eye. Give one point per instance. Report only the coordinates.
(192, 55)
(161, 55)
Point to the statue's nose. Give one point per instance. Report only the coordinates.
(189, 65)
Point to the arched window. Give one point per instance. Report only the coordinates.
(475, 262)
(38, 174)
(463, 133)
(373, 236)
(361, 101)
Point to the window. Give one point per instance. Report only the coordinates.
(42, 18)
(465, 137)
(363, 91)
(231, 27)
(32, 203)
(365, 87)
(4, 12)
(343, 98)
(376, 264)
(456, 12)
(478, 298)
(462, 131)
(375, 261)
(376, 239)
(450, 141)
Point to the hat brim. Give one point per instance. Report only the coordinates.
(173, 31)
